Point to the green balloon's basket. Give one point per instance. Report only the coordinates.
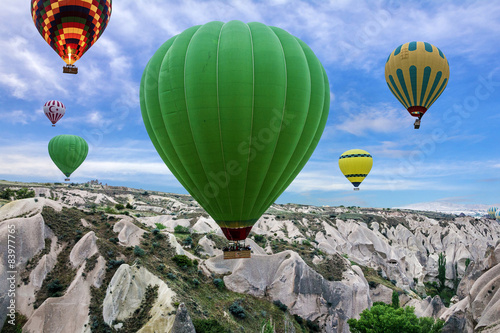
(237, 250)
(237, 254)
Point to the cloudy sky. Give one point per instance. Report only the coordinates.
(453, 157)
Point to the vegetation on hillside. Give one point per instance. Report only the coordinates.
(384, 318)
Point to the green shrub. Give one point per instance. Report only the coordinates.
(209, 326)
(313, 326)
(181, 230)
(119, 206)
(182, 260)
(160, 226)
(188, 241)
(219, 283)
(25, 193)
(55, 288)
(110, 210)
(259, 238)
(280, 305)
(237, 310)
(129, 206)
(138, 251)
(306, 242)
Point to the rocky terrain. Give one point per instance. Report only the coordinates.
(94, 258)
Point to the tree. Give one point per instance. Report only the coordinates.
(395, 299)
(383, 318)
(442, 270)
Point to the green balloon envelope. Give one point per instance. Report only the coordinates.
(68, 152)
(235, 111)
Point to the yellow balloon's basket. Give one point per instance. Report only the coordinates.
(70, 69)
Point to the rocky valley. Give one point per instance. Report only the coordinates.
(97, 258)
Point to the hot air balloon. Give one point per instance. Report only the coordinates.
(497, 215)
(235, 111)
(68, 152)
(492, 211)
(54, 110)
(71, 27)
(417, 73)
(355, 164)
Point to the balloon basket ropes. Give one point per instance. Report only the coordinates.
(237, 250)
(70, 69)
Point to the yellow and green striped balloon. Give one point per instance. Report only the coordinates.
(417, 73)
(355, 164)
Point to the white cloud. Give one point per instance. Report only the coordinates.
(378, 119)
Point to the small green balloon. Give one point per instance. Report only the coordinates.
(68, 152)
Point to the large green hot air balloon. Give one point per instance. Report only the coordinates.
(235, 111)
(68, 152)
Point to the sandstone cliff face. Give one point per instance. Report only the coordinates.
(479, 306)
(286, 277)
(27, 238)
(53, 314)
(125, 293)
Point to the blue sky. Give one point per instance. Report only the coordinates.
(453, 156)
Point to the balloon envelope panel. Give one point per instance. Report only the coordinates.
(235, 110)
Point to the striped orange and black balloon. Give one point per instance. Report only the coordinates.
(71, 27)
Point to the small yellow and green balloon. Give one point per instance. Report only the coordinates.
(355, 164)
(68, 152)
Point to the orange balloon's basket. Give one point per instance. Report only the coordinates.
(70, 69)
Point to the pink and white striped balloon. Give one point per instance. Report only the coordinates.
(54, 110)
